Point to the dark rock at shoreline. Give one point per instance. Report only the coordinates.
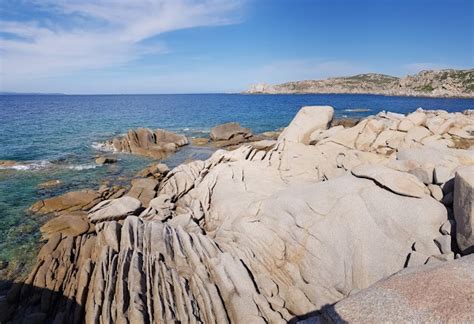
(105, 160)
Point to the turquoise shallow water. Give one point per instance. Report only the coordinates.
(53, 137)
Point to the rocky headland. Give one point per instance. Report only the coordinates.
(328, 223)
(442, 83)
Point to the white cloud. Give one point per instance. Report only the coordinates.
(109, 33)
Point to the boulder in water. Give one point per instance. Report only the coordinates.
(143, 141)
(225, 132)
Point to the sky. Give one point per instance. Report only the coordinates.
(194, 46)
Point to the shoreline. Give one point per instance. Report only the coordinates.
(362, 94)
(163, 198)
(245, 93)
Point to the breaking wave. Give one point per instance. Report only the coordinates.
(357, 110)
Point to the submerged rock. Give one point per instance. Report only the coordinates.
(49, 184)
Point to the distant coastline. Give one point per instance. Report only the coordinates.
(6, 93)
(435, 84)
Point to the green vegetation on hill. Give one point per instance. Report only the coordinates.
(443, 83)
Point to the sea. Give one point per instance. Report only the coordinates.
(58, 137)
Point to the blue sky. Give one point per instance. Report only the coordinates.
(188, 46)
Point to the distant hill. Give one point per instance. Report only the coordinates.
(442, 83)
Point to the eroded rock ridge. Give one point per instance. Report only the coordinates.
(264, 233)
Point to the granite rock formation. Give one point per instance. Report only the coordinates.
(144, 141)
(260, 234)
(437, 293)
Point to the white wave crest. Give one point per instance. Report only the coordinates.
(102, 147)
(357, 110)
(44, 165)
(34, 165)
(80, 167)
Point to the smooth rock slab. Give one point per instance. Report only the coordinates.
(399, 182)
(70, 224)
(437, 293)
(71, 201)
(463, 204)
(114, 209)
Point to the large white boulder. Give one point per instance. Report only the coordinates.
(307, 120)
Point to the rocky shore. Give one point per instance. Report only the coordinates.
(371, 221)
(442, 83)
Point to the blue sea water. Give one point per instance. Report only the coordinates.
(53, 137)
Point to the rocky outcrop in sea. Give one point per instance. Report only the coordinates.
(321, 224)
(144, 141)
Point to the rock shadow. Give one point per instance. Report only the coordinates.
(24, 303)
(326, 315)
